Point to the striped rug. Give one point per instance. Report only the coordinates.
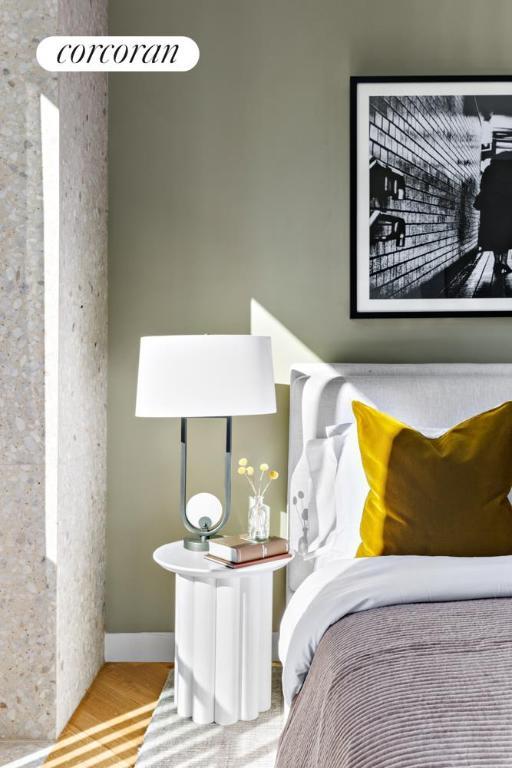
(176, 742)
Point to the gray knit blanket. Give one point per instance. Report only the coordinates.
(425, 685)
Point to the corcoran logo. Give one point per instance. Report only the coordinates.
(117, 54)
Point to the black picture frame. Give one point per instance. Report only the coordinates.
(356, 310)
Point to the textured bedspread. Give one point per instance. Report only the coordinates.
(407, 686)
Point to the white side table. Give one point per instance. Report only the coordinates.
(223, 636)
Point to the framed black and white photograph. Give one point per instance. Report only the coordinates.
(431, 196)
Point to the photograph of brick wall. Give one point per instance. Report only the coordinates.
(440, 208)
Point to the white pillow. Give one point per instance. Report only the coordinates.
(312, 489)
(351, 488)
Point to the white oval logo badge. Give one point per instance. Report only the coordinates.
(74, 53)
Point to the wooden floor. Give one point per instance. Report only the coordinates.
(109, 725)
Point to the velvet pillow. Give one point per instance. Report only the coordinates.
(351, 489)
(436, 496)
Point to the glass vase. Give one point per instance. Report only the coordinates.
(259, 519)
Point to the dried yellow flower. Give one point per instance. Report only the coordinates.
(250, 471)
(242, 463)
(264, 467)
(241, 470)
(273, 474)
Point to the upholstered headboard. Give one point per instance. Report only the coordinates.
(426, 395)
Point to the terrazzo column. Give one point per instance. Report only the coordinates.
(52, 371)
(82, 367)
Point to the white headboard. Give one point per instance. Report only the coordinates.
(426, 395)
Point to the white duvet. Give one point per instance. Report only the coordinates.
(348, 585)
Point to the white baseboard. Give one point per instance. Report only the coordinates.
(139, 646)
(149, 646)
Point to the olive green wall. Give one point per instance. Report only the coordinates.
(230, 183)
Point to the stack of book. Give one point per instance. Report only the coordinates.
(239, 552)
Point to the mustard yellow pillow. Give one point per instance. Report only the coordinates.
(436, 496)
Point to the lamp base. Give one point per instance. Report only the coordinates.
(196, 544)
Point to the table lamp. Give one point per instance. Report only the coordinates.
(205, 376)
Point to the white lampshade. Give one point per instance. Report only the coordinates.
(205, 376)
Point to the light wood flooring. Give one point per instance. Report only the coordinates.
(109, 725)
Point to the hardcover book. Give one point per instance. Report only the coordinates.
(237, 549)
(259, 561)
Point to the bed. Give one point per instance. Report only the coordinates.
(390, 662)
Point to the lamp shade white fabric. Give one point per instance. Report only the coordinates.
(187, 376)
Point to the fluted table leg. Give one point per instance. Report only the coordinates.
(184, 646)
(265, 642)
(223, 647)
(227, 656)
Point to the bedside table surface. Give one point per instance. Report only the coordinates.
(174, 557)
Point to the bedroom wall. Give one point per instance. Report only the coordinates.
(229, 210)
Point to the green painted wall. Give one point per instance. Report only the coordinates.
(230, 183)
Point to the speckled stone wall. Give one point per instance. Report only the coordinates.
(51, 559)
(27, 576)
(82, 366)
